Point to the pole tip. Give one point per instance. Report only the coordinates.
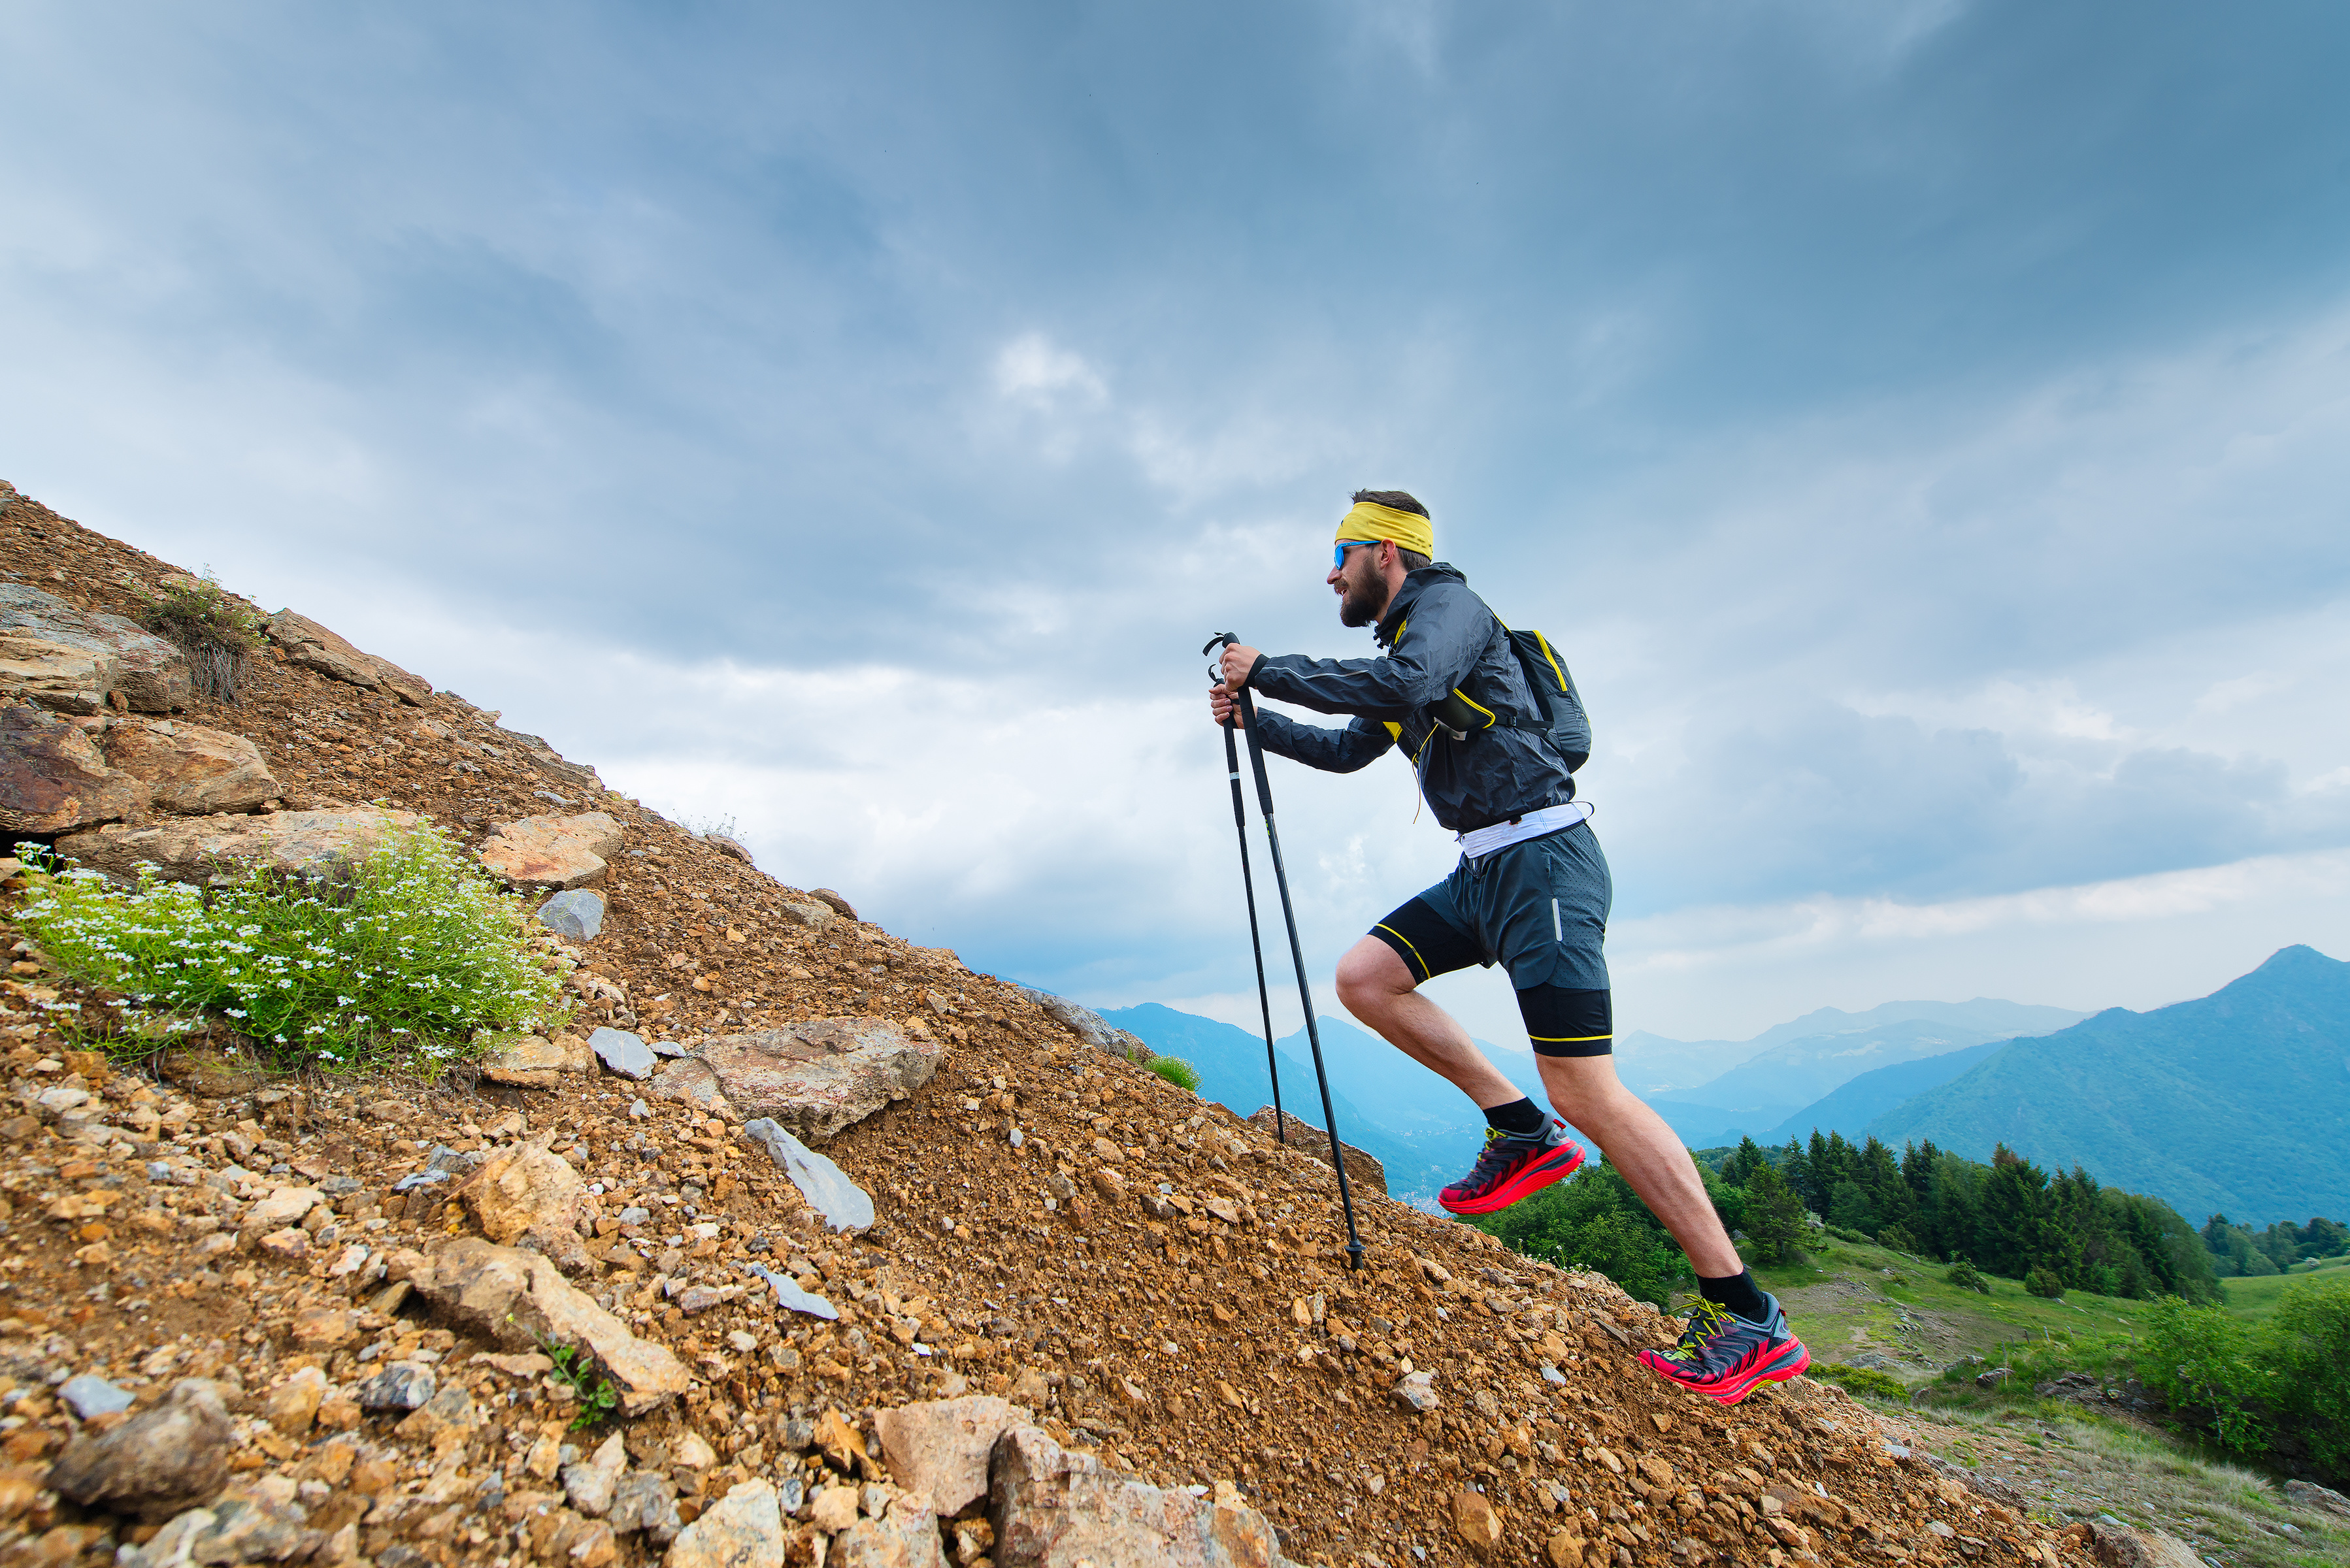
(1354, 1256)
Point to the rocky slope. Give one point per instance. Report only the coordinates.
(246, 1319)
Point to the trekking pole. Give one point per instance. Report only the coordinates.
(1248, 886)
(1297, 955)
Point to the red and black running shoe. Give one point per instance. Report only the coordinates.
(1726, 1358)
(1511, 1167)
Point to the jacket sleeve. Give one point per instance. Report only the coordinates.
(1447, 628)
(1331, 750)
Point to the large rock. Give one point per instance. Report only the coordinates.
(1050, 1507)
(690, 1081)
(312, 647)
(828, 1188)
(160, 1461)
(530, 1196)
(2119, 1546)
(744, 1528)
(534, 1062)
(552, 851)
(192, 770)
(295, 842)
(1364, 1173)
(1089, 1026)
(151, 674)
(819, 1076)
(519, 1298)
(54, 779)
(61, 679)
(939, 1450)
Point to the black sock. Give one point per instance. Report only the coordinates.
(1738, 1293)
(1519, 1118)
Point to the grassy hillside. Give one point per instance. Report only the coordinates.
(2237, 1103)
(1858, 1301)
(2256, 1298)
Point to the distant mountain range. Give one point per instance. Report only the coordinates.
(2238, 1103)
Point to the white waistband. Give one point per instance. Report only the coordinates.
(1534, 825)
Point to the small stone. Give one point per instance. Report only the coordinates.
(742, 1529)
(623, 1053)
(579, 914)
(828, 1189)
(843, 1446)
(789, 1293)
(289, 1243)
(589, 1486)
(293, 1405)
(1417, 1392)
(692, 1452)
(834, 1509)
(157, 1463)
(1475, 1520)
(403, 1385)
(1111, 1185)
(644, 1501)
(89, 1395)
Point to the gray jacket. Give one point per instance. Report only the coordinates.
(1439, 639)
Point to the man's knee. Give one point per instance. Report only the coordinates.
(1370, 973)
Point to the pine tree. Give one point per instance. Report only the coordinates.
(1774, 1218)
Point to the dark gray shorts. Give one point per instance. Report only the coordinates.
(1538, 909)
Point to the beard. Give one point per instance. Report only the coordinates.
(1363, 602)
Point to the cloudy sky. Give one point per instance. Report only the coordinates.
(1924, 425)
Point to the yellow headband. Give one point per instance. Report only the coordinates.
(1406, 530)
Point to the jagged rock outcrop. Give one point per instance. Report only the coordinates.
(1089, 1026)
(557, 852)
(312, 647)
(817, 1077)
(190, 769)
(54, 779)
(296, 842)
(150, 672)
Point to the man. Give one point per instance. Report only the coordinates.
(1531, 892)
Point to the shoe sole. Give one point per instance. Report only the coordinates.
(1792, 1360)
(1532, 1180)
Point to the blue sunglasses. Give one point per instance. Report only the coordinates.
(1338, 551)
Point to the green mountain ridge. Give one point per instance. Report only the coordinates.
(2235, 1103)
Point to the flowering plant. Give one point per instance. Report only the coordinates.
(401, 954)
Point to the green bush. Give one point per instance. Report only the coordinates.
(1176, 1071)
(1894, 1239)
(2307, 1346)
(1862, 1380)
(2045, 1285)
(216, 632)
(1967, 1277)
(2199, 1360)
(402, 956)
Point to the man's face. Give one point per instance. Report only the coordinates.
(1361, 584)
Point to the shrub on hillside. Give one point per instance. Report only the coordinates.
(216, 633)
(1864, 1380)
(2045, 1285)
(1967, 1277)
(2259, 1387)
(402, 956)
(1176, 1071)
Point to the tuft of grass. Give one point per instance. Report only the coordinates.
(1176, 1071)
(216, 632)
(409, 956)
(1864, 1380)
